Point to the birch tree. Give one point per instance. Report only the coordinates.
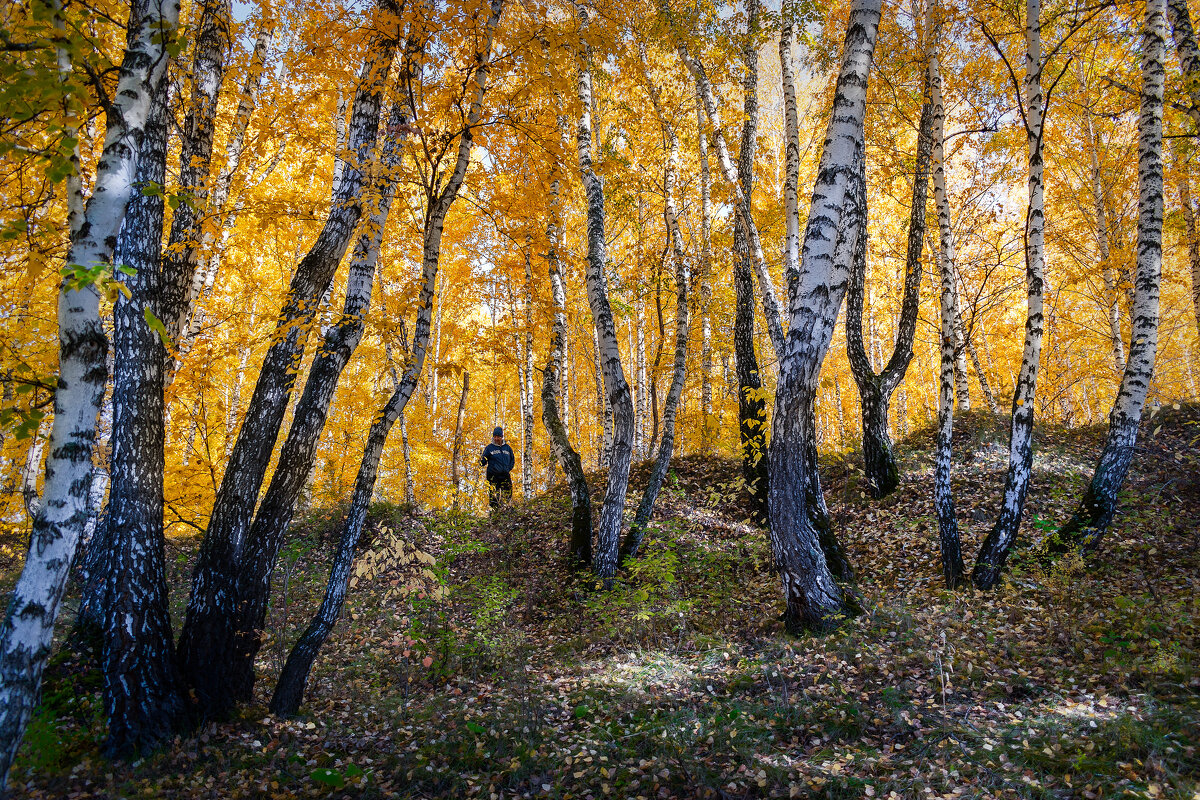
(553, 383)
(953, 569)
(195, 162)
(682, 278)
(207, 642)
(440, 196)
(1087, 526)
(28, 628)
(295, 462)
(608, 348)
(814, 599)
(994, 552)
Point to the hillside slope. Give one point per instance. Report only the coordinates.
(497, 673)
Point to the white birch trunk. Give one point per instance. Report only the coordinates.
(1099, 504)
(28, 628)
(608, 355)
(994, 552)
(814, 600)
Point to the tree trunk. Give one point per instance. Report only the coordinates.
(682, 277)
(994, 552)
(953, 569)
(707, 430)
(289, 691)
(456, 451)
(1193, 238)
(1112, 309)
(527, 354)
(1086, 528)
(608, 352)
(28, 629)
(215, 236)
(195, 164)
(142, 698)
(410, 493)
(207, 645)
(580, 548)
(296, 457)
(875, 391)
(814, 600)
(743, 207)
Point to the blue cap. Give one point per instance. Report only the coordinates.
(498, 432)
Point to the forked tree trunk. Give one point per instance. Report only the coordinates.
(608, 351)
(289, 691)
(814, 600)
(142, 697)
(679, 373)
(875, 391)
(994, 552)
(1086, 528)
(207, 643)
(28, 629)
(296, 457)
(580, 547)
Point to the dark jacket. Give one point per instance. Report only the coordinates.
(499, 459)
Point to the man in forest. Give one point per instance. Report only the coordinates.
(499, 458)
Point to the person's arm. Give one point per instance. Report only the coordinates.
(483, 458)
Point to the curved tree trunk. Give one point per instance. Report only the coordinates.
(296, 457)
(994, 552)
(289, 691)
(1089, 523)
(580, 548)
(679, 373)
(608, 351)
(28, 628)
(207, 643)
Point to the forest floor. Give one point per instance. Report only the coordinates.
(493, 672)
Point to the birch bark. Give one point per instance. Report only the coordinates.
(994, 552)
(608, 352)
(142, 697)
(814, 600)
(289, 691)
(28, 628)
(1089, 523)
